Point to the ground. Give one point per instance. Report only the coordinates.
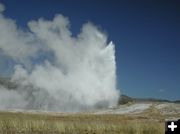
(139, 118)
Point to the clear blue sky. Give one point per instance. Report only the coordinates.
(146, 34)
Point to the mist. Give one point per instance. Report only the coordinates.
(55, 71)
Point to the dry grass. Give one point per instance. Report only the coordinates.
(23, 123)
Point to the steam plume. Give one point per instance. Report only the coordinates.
(56, 71)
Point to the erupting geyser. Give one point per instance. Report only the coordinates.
(55, 71)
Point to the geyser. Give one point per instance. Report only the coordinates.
(55, 71)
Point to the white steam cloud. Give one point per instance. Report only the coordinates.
(56, 71)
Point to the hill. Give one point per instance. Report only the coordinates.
(5, 82)
(124, 99)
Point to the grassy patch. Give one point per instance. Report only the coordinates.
(21, 123)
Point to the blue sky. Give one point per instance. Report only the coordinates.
(146, 34)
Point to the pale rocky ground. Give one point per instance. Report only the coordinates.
(163, 108)
(137, 108)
